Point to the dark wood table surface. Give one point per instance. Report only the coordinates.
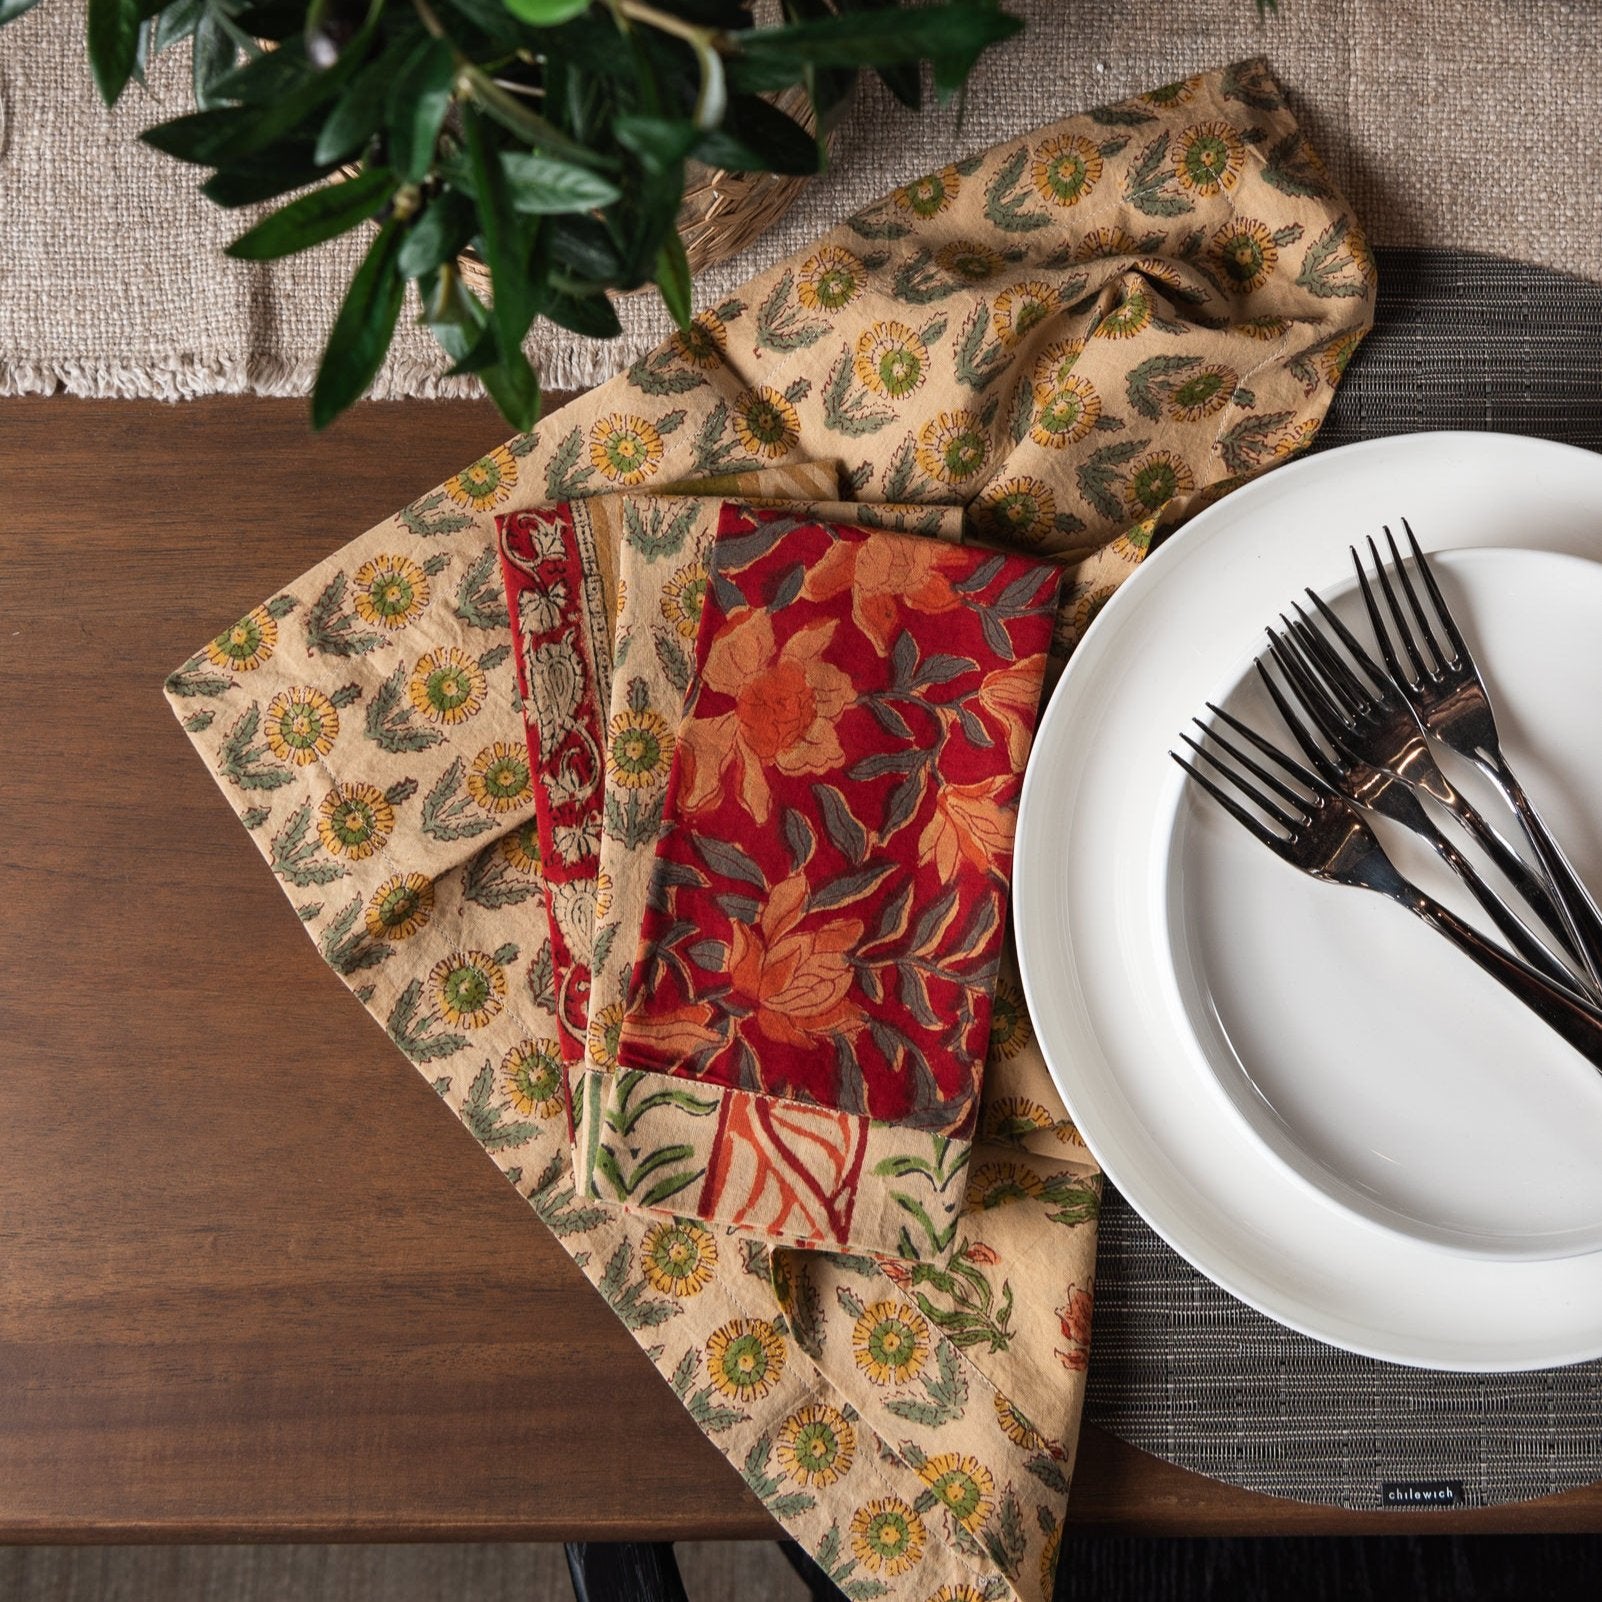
(255, 1282)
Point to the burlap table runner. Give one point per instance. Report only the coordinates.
(1078, 337)
(1447, 122)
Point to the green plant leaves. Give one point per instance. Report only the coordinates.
(114, 27)
(673, 279)
(542, 186)
(418, 98)
(334, 209)
(757, 137)
(438, 236)
(546, 13)
(362, 330)
(10, 10)
(212, 56)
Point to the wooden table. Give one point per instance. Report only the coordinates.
(255, 1283)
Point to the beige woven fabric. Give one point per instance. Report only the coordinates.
(1464, 123)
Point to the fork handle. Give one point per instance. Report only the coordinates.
(1577, 1021)
(1580, 916)
(1530, 886)
(1503, 916)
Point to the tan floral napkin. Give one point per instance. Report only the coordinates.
(1079, 336)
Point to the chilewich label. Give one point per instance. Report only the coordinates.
(1422, 1493)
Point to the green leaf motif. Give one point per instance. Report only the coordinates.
(1006, 206)
(1293, 170)
(431, 516)
(296, 853)
(448, 811)
(1245, 446)
(945, 1393)
(392, 723)
(756, 1473)
(625, 1293)
(417, 1035)
(487, 1122)
(1146, 391)
(564, 477)
(347, 947)
(980, 359)
(331, 630)
(655, 530)
(1098, 475)
(1327, 262)
(780, 324)
(555, 1201)
(1152, 186)
(848, 409)
(491, 882)
(245, 761)
(481, 597)
(192, 679)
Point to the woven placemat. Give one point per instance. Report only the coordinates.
(1180, 1368)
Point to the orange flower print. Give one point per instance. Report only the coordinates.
(787, 699)
(970, 824)
(1010, 696)
(1074, 1316)
(884, 575)
(796, 980)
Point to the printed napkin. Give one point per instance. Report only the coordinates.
(810, 1012)
(1078, 337)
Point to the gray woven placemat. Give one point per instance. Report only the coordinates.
(1180, 1368)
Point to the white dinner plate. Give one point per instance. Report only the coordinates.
(1302, 1089)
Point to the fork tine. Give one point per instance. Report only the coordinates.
(1254, 826)
(1324, 657)
(1327, 714)
(1381, 632)
(1401, 628)
(1266, 746)
(1328, 767)
(1424, 626)
(1275, 811)
(1348, 639)
(1448, 622)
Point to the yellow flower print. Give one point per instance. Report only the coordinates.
(1015, 1426)
(625, 450)
(390, 590)
(1296, 438)
(891, 360)
(1010, 1117)
(1065, 169)
(683, 598)
(930, 195)
(1020, 508)
(830, 278)
(399, 907)
(603, 893)
(994, 1184)
(605, 1035)
(639, 747)
(499, 779)
(1088, 605)
(1068, 1135)
(531, 1078)
(1244, 254)
(486, 483)
(963, 1484)
(890, 1343)
(1065, 414)
(521, 848)
(1135, 540)
(1049, 1554)
(970, 261)
(447, 685)
(1154, 480)
(1264, 328)
(744, 1358)
(1100, 243)
(816, 1445)
(247, 644)
(1129, 317)
(301, 725)
(887, 1536)
(952, 446)
(1208, 158)
(957, 1593)
(1333, 355)
(469, 988)
(703, 343)
(1172, 94)
(354, 821)
(1009, 1022)
(1019, 307)
(678, 1256)
(1203, 392)
(766, 423)
(1054, 366)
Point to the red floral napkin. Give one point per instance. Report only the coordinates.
(810, 1010)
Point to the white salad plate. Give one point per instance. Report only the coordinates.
(1309, 1094)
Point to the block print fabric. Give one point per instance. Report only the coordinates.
(1073, 339)
(820, 949)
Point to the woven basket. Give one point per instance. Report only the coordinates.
(722, 212)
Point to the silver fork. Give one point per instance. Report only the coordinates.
(1377, 791)
(1448, 698)
(1369, 720)
(1323, 834)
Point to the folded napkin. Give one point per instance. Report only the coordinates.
(1078, 337)
(820, 950)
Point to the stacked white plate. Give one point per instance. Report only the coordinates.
(1309, 1094)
